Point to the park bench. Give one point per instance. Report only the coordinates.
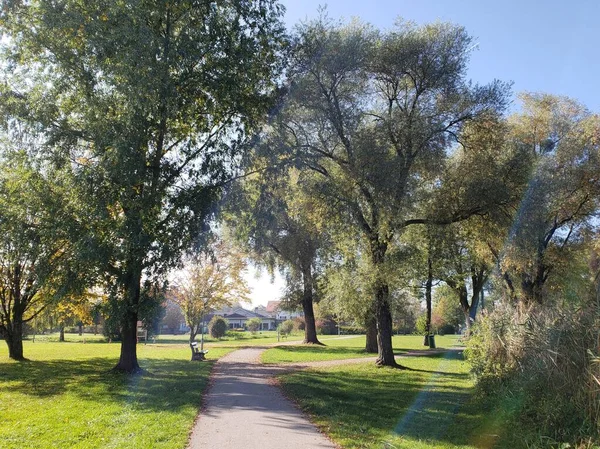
(196, 353)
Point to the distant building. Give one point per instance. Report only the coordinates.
(274, 309)
(237, 316)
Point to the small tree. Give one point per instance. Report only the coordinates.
(254, 324)
(211, 281)
(218, 327)
(286, 327)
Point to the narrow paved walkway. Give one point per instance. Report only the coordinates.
(243, 410)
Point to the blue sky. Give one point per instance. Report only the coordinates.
(541, 45)
(554, 48)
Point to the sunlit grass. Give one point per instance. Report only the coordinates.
(361, 406)
(345, 347)
(65, 396)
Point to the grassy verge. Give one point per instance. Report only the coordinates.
(347, 348)
(429, 406)
(65, 396)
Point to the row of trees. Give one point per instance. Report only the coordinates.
(143, 109)
(374, 171)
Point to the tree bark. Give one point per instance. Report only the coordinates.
(310, 328)
(61, 335)
(428, 287)
(385, 354)
(14, 340)
(128, 359)
(383, 312)
(371, 343)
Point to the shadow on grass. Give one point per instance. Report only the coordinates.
(318, 349)
(364, 406)
(168, 384)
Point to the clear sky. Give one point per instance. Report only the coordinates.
(549, 46)
(540, 45)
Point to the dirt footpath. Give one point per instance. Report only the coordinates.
(243, 410)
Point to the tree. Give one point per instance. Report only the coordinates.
(210, 281)
(149, 104)
(77, 308)
(448, 312)
(280, 224)
(35, 254)
(254, 325)
(374, 116)
(286, 327)
(173, 316)
(218, 327)
(560, 198)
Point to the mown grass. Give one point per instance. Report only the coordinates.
(428, 406)
(347, 348)
(66, 396)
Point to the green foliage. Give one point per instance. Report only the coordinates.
(210, 281)
(421, 324)
(376, 130)
(254, 325)
(447, 314)
(37, 256)
(547, 359)
(217, 327)
(286, 327)
(149, 105)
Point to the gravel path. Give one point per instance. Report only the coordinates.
(242, 409)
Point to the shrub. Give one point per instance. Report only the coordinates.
(546, 359)
(254, 325)
(286, 327)
(299, 323)
(218, 327)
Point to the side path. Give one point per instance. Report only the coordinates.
(242, 409)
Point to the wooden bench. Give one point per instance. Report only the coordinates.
(196, 353)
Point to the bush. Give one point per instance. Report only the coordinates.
(217, 327)
(547, 360)
(299, 323)
(254, 325)
(352, 330)
(286, 328)
(326, 327)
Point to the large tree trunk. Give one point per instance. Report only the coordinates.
(385, 354)
(13, 334)
(128, 360)
(61, 335)
(14, 339)
(15, 347)
(371, 343)
(310, 328)
(428, 287)
(383, 312)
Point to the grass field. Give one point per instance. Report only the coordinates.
(232, 338)
(429, 406)
(346, 347)
(65, 397)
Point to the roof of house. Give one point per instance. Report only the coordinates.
(234, 316)
(273, 306)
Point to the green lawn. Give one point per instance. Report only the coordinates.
(362, 406)
(65, 397)
(232, 338)
(346, 347)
